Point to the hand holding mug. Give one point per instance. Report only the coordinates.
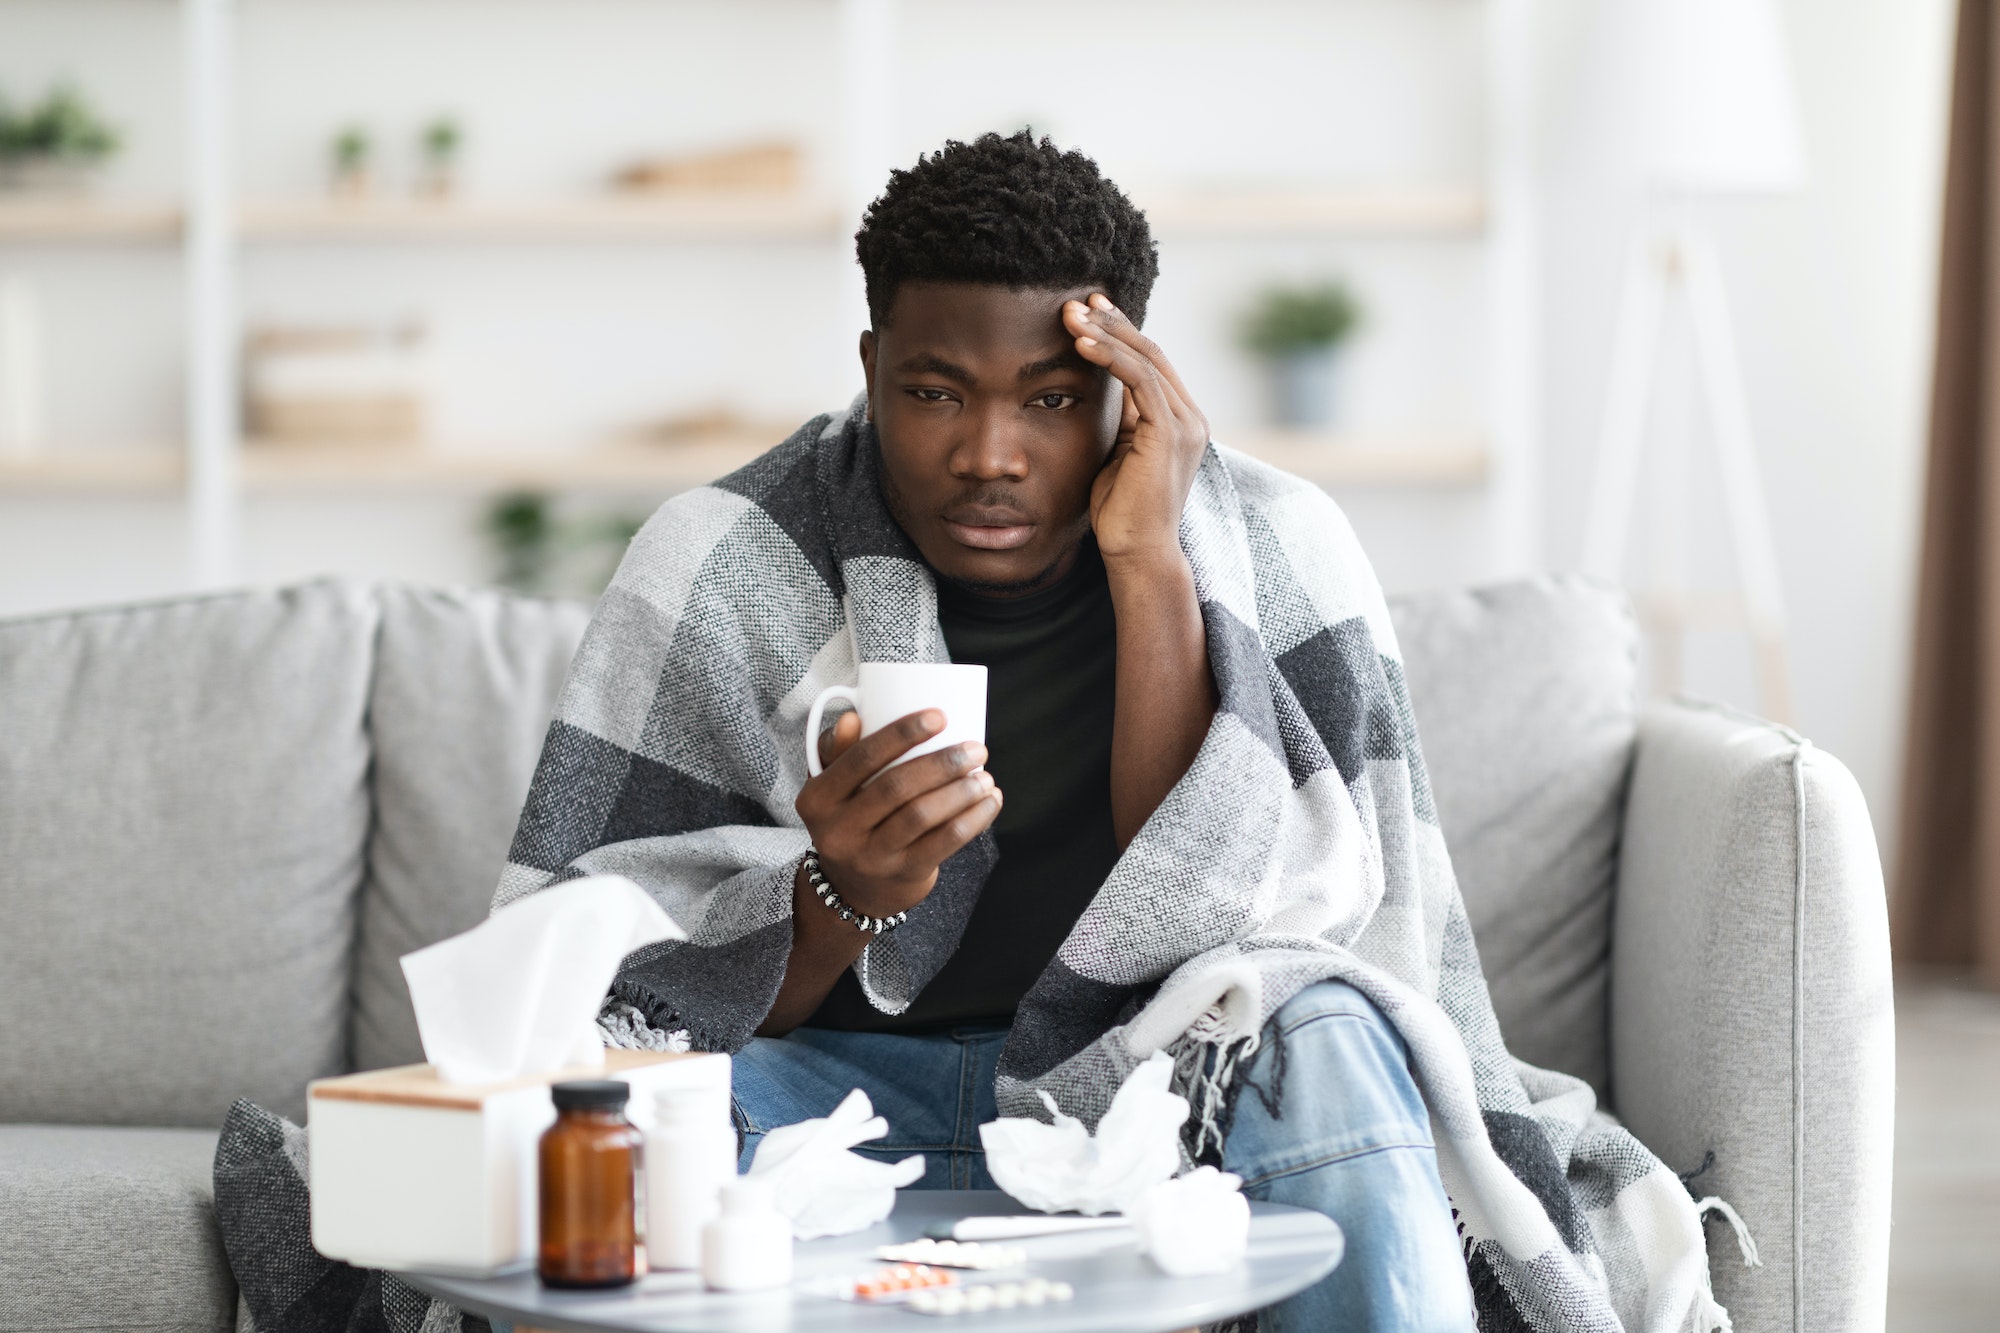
(893, 802)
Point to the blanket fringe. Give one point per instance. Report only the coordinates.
(1744, 1242)
(1208, 1077)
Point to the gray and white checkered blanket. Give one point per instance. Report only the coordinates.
(1303, 844)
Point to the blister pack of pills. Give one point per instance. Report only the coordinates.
(884, 1285)
(978, 1298)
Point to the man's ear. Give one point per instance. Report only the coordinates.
(868, 367)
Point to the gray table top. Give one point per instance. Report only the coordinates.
(1117, 1289)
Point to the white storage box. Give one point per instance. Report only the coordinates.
(409, 1171)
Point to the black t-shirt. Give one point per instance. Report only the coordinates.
(1051, 659)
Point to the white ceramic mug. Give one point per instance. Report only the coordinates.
(892, 690)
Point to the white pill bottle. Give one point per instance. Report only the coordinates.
(749, 1247)
(690, 1156)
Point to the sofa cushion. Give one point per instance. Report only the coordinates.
(111, 1229)
(464, 685)
(1525, 703)
(183, 806)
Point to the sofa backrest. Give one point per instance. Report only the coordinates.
(1525, 696)
(464, 686)
(183, 806)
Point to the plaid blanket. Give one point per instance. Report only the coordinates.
(1303, 844)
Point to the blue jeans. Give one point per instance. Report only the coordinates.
(1328, 1118)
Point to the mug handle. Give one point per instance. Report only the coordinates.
(826, 696)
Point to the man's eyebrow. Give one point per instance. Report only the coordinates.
(928, 363)
(1051, 365)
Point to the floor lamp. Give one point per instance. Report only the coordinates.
(1689, 99)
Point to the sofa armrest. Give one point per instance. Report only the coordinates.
(1751, 1011)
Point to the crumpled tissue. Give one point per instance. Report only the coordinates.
(1198, 1223)
(519, 993)
(1060, 1168)
(822, 1187)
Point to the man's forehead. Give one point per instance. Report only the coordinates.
(980, 308)
(978, 321)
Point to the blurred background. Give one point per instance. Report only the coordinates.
(456, 291)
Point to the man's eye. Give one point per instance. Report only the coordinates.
(1055, 402)
(930, 395)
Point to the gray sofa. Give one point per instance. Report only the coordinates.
(223, 819)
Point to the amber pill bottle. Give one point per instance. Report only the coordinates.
(592, 1164)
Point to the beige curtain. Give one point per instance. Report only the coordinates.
(1946, 908)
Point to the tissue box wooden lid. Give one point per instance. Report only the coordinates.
(409, 1171)
(420, 1085)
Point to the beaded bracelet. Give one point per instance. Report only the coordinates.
(867, 925)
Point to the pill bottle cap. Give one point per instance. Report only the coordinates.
(590, 1094)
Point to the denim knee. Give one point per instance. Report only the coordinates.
(1331, 1081)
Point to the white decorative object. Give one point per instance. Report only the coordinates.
(1062, 1167)
(24, 423)
(1197, 1223)
(1688, 98)
(518, 994)
(822, 1187)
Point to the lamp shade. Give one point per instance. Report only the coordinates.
(1690, 97)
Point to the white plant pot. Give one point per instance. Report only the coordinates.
(46, 175)
(1305, 386)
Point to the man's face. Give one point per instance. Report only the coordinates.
(992, 428)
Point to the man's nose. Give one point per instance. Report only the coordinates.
(990, 449)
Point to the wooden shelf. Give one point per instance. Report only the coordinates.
(1333, 461)
(1360, 211)
(1220, 214)
(660, 468)
(1336, 460)
(69, 221)
(717, 217)
(95, 471)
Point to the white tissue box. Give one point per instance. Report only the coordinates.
(409, 1171)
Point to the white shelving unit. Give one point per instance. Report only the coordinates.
(1334, 460)
(215, 467)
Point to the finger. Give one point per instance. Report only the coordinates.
(834, 742)
(872, 753)
(907, 781)
(914, 818)
(1152, 393)
(934, 847)
(1109, 319)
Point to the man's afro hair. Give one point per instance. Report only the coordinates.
(1014, 211)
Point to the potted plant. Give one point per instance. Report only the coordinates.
(440, 144)
(1298, 332)
(56, 146)
(351, 150)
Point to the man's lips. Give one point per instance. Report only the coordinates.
(988, 529)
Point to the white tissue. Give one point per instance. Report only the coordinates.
(1199, 1223)
(1060, 1168)
(519, 992)
(825, 1189)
